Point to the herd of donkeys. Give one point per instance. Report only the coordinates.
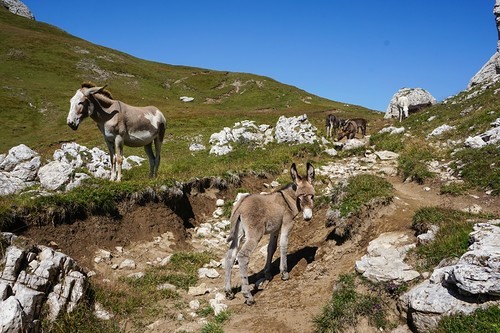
(346, 127)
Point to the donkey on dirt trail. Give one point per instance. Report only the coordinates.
(258, 214)
(120, 124)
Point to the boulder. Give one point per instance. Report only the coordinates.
(295, 130)
(54, 175)
(17, 7)
(384, 261)
(417, 98)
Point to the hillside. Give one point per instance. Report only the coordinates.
(173, 225)
(42, 66)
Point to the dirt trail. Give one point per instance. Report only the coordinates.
(316, 258)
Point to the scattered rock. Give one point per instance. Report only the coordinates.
(384, 261)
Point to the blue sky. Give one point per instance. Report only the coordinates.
(357, 52)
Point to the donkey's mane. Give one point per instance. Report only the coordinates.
(284, 187)
(104, 93)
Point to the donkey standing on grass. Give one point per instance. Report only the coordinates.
(258, 214)
(331, 124)
(120, 124)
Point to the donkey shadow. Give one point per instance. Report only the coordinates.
(308, 253)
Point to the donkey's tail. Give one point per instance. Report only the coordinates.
(235, 228)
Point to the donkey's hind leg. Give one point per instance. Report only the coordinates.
(228, 265)
(243, 259)
(149, 151)
(158, 144)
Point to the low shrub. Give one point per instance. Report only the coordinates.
(387, 141)
(360, 190)
(347, 305)
(413, 161)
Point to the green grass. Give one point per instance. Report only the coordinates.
(81, 320)
(454, 189)
(360, 190)
(452, 238)
(480, 167)
(480, 321)
(216, 323)
(387, 141)
(412, 161)
(347, 306)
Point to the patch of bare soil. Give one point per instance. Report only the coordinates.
(316, 257)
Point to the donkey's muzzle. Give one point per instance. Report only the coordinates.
(307, 214)
(73, 126)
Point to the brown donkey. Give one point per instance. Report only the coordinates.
(258, 214)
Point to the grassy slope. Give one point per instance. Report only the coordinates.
(42, 66)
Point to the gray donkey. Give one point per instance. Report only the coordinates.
(258, 214)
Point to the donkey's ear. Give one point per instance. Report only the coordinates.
(310, 172)
(293, 173)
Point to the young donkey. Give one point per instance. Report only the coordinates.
(259, 214)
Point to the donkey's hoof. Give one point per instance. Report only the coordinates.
(285, 276)
(229, 295)
(261, 284)
(249, 301)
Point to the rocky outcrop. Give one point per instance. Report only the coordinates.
(17, 7)
(491, 136)
(34, 279)
(417, 97)
(289, 130)
(490, 72)
(472, 282)
(21, 167)
(18, 169)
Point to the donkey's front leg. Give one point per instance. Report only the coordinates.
(112, 159)
(271, 248)
(119, 157)
(283, 253)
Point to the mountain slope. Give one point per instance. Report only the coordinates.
(42, 66)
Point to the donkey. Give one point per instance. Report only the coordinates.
(403, 106)
(331, 124)
(361, 124)
(120, 124)
(349, 129)
(258, 214)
